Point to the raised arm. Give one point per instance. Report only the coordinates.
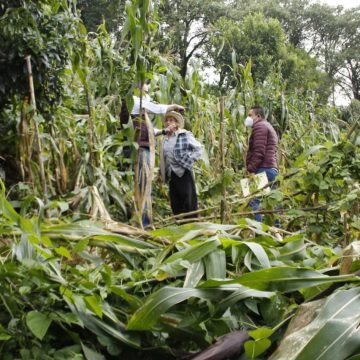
(154, 108)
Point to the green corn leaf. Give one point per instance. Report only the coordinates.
(241, 293)
(190, 231)
(333, 334)
(74, 231)
(132, 300)
(293, 250)
(355, 357)
(259, 252)
(194, 274)
(159, 302)
(196, 252)
(215, 265)
(285, 279)
(125, 240)
(100, 327)
(5, 207)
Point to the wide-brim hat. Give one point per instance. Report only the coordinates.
(177, 116)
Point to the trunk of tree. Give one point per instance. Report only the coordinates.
(183, 69)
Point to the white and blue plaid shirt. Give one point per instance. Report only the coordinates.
(180, 152)
(187, 150)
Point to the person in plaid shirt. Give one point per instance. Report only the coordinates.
(178, 153)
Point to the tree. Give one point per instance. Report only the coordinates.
(292, 14)
(258, 39)
(302, 73)
(335, 40)
(349, 75)
(327, 33)
(293, 17)
(95, 12)
(50, 34)
(187, 25)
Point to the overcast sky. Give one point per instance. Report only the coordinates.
(345, 3)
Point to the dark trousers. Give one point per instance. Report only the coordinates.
(183, 196)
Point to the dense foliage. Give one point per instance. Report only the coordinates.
(79, 277)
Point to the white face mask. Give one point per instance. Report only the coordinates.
(249, 121)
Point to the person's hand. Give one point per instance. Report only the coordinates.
(171, 129)
(176, 107)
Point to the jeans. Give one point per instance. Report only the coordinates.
(271, 174)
